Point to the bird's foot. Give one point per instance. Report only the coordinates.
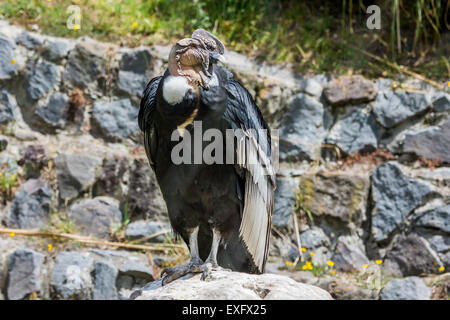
(209, 266)
(170, 274)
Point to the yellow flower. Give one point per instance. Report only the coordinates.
(330, 263)
(304, 250)
(13, 61)
(134, 25)
(50, 247)
(378, 261)
(333, 272)
(304, 267)
(312, 254)
(76, 27)
(441, 269)
(1, 174)
(449, 84)
(365, 266)
(12, 234)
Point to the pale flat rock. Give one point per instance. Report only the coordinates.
(227, 285)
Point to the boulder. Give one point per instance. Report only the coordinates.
(30, 208)
(285, 196)
(226, 285)
(105, 276)
(96, 217)
(86, 63)
(393, 107)
(29, 40)
(137, 60)
(8, 69)
(142, 228)
(438, 218)
(303, 129)
(395, 196)
(41, 78)
(25, 273)
(55, 49)
(349, 90)
(115, 120)
(341, 196)
(35, 158)
(314, 238)
(349, 254)
(131, 83)
(111, 178)
(52, 114)
(142, 181)
(411, 288)
(75, 173)
(411, 255)
(430, 143)
(441, 102)
(71, 276)
(311, 87)
(8, 107)
(354, 130)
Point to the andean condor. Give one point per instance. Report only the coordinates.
(221, 210)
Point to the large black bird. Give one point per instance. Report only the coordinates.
(222, 210)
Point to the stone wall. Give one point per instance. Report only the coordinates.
(357, 167)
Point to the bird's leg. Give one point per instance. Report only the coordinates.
(193, 265)
(211, 261)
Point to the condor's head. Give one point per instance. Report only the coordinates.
(191, 63)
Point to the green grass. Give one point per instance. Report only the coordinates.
(314, 36)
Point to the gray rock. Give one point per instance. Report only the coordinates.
(311, 87)
(116, 119)
(349, 90)
(41, 78)
(411, 255)
(284, 201)
(35, 158)
(136, 60)
(105, 281)
(303, 129)
(141, 272)
(354, 130)
(53, 113)
(30, 208)
(393, 107)
(411, 288)
(395, 196)
(225, 285)
(430, 143)
(76, 173)
(441, 102)
(7, 68)
(29, 40)
(96, 217)
(111, 179)
(3, 143)
(25, 268)
(339, 196)
(350, 254)
(314, 238)
(141, 229)
(8, 107)
(55, 49)
(439, 243)
(143, 181)
(86, 63)
(71, 276)
(131, 83)
(438, 218)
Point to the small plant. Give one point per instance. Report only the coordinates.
(118, 230)
(8, 181)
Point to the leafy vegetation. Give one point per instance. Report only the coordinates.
(314, 36)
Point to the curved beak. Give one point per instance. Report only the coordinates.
(214, 56)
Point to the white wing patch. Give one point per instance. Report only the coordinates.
(259, 196)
